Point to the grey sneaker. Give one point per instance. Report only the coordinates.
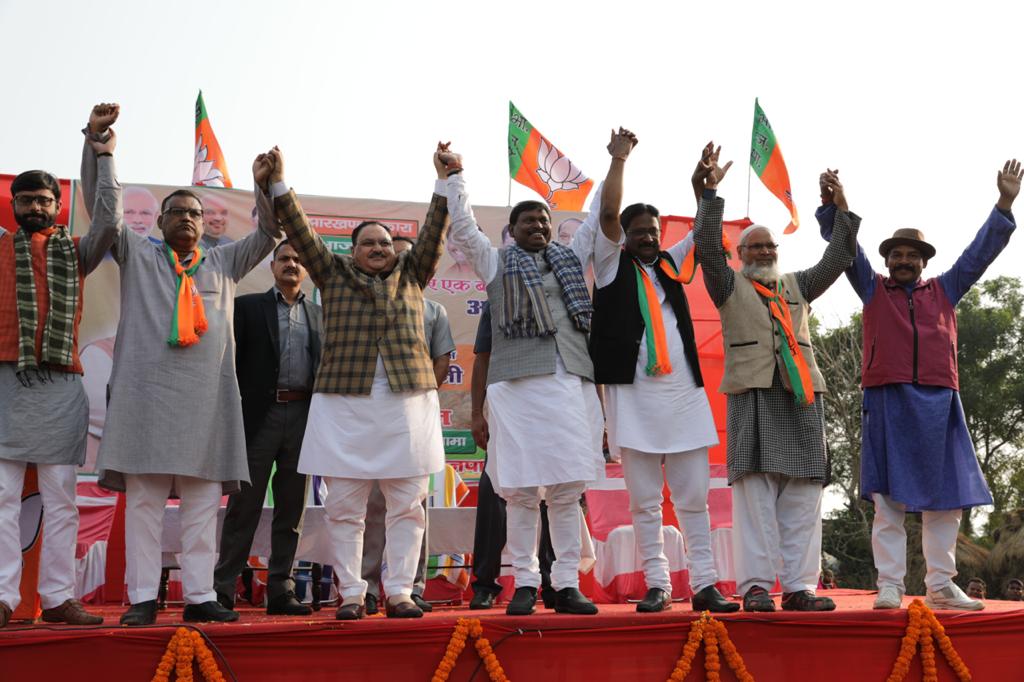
(889, 597)
(952, 597)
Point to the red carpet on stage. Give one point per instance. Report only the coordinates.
(852, 643)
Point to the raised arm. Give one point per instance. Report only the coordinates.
(842, 246)
(106, 208)
(426, 253)
(860, 273)
(583, 239)
(620, 145)
(990, 240)
(719, 278)
(465, 233)
(242, 256)
(314, 254)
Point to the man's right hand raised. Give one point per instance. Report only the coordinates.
(621, 144)
(708, 173)
(103, 116)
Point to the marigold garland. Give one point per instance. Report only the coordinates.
(922, 628)
(184, 647)
(716, 639)
(464, 628)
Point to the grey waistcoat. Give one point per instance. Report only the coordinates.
(532, 356)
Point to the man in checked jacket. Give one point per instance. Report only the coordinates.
(374, 415)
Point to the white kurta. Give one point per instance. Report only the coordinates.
(545, 430)
(663, 414)
(381, 435)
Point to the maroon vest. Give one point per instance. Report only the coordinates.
(909, 339)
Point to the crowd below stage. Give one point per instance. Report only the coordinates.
(209, 392)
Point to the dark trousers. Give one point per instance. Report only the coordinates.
(277, 441)
(374, 540)
(489, 540)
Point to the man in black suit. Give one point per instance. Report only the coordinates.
(277, 335)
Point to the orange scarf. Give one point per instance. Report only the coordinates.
(189, 320)
(793, 360)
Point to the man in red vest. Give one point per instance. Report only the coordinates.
(44, 412)
(917, 454)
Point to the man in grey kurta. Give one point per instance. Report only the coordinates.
(174, 422)
(43, 406)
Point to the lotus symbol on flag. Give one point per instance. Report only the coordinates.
(557, 171)
(205, 172)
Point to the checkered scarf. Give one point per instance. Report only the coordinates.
(526, 311)
(64, 288)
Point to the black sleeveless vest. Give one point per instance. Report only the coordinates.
(618, 326)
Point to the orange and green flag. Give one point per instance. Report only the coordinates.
(210, 168)
(766, 160)
(535, 162)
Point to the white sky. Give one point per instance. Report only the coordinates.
(917, 105)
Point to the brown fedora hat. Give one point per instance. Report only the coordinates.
(907, 236)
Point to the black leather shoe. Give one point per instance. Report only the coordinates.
(403, 609)
(710, 599)
(522, 602)
(805, 600)
(350, 612)
(287, 605)
(757, 599)
(654, 601)
(425, 606)
(226, 601)
(484, 599)
(571, 600)
(548, 596)
(371, 605)
(143, 613)
(208, 612)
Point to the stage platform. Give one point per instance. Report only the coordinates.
(851, 643)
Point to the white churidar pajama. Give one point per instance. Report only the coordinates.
(772, 516)
(60, 531)
(939, 531)
(145, 498)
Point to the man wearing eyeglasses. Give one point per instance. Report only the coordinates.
(917, 454)
(375, 414)
(775, 422)
(174, 422)
(44, 410)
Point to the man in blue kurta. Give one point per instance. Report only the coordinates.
(917, 454)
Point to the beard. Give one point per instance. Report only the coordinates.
(765, 274)
(34, 222)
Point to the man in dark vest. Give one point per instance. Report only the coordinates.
(916, 453)
(644, 352)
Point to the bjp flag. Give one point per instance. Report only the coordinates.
(210, 168)
(535, 162)
(766, 160)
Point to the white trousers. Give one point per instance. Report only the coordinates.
(145, 500)
(939, 530)
(60, 532)
(776, 523)
(688, 480)
(345, 510)
(522, 509)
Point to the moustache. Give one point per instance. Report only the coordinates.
(903, 268)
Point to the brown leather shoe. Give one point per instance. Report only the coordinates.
(71, 612)
(5, 614)
(403, 609)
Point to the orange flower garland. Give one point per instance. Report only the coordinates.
(922, 627)
(185, 645)
(464, 628)
(716, 638)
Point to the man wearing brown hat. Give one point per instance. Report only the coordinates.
(917, 454)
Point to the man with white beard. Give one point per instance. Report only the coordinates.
(775, 421)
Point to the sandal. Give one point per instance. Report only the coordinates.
(757, 599)
(805, 600)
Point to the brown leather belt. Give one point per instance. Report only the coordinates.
(288, 396)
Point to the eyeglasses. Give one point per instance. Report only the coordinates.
(194, 213)
(382, 243)
(26, 200)
(760, 246)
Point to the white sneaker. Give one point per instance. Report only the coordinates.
(952, 597)
(889, 597)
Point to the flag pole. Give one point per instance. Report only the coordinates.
(748, 190)
(509, 191)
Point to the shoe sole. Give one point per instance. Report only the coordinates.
(667, 607)
(950, 607)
